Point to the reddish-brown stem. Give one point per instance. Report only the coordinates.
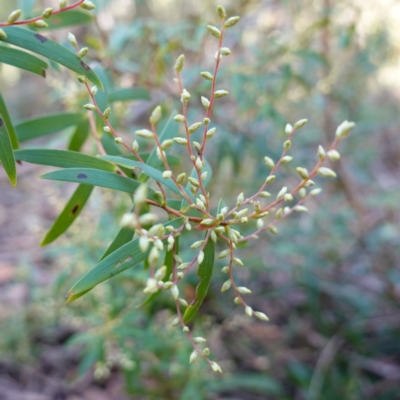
(31, 20)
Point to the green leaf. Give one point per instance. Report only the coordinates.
(23, 60)
(46, 125)
(204, 273)
(46, 47)
(95, 177)
(69, 214)
(129, 94)
(9, 125)
(79, 136)
(120, 260)
(152, 172)
(70, 18)
(62, 159)
(6, 153)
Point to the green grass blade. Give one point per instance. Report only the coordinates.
(79, 136)
(47, 125)
(129, 94)
(9, 124)
(46, 47)
(62, 159)
(7, 154)
(204, 273)
(150, 171)
(23, 60)
(69, 214)
(120, 260)
(95, 177)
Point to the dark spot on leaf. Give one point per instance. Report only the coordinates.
(81, 176)
(1, 122)
(85, 66)
(44, 73)
(41, 38)
(75, 209)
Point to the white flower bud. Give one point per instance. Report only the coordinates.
(72, 39)
(205, 102)
(215, 367)
(226, 286)
(321, 152)
(299, 124)
(129, 220)
(287, 145)
(248, 310)
(315, 192)
(199, 340)
(197, 244)
(286, 159)
(181, 141)
(326, 172)
(344, 129)
(141, 194)
(210, 133)
(303, 193)
(270, 179)
(143, 243)
(39, 24)
(237, 300)
(145, 133)
(179, 63)
(302, 172)
(260, 223)
(269, 162)
(179, 118)
(231, 22)
(334, 155)
(14, 16)
(243, 290)
(261, 316)
(194, 127)
(288, 129)
(160, 273)
(301, 209)
(82, 52)
(225, 269)
(200, 257)
(88, 5)
(167, 174)
(155, 115)
(240, 199)
(273, 229)
(193, 356)
(288, 197)
(220, 93)
(118, 140)
(265, 194)
(225, 51)
(207, 75)
(214, 31)
(175, 292)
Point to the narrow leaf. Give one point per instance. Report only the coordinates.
(69, 214)
(9, 124)
(204, 273)
(124, 236)
(6, 153)
(62, 159)
(70, 18)
(46, 125)
(95, 177)
(129, 94)
(46, 47)
(120, 260)
(79, 136)
(23, 60)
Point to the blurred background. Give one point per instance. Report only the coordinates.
(329, 282)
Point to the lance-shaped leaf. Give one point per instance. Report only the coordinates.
(150, 171)
(62, 159)
(46, 125)
(129, 94)
(204, 273)
(23, 60)
(69, 214)
(120, 260)
(95, 177)
(79, 136)
(46, 47)
(70, 18)
(9, 125)
(6, 153)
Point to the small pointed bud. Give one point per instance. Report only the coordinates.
(270, 179)
(90, 107)
(206, 121)
(303, 193)
(273, 229)
(151, 286)
(237, 300)
(239, 200)
(213, 236)
(288, 197)
(199, 340)
(206, 352)
(181, 141)
(167, 285)
(237, 261)
(107, 113)
(286, 159)
(288, 129)
(148, 219)
(302, 172)
(301, 209)
(88, 5)
(47, 12)
(281, 193)
(179, 63)
(287, 145)
(129, 221)
(326, 172)
(223, 253)
(344, 129)
(167, 174)
(182, 266)
(334, 155)
(279, 213)
(82, 52)
(269, 162)
(143, 243)
(243, 290)
(215, 367)
(193, 357)
(166, 144)
(225, 51)
(145, 133)
(94, 89)
(194, 127)
(194, 181)
(225, 270)
(141, 194)
(3, 35)
(188, 227)
(205, 102)
(154, 255)
(14, 16)
(200, 257)
(309, 183)
(260, 223)
(315, 192)
(299, 124)
(265, 194)
(155, 115)
(214, 31)
(204, 176)
(119, 140)
(175, 292)
(181, 178)
(160, 273)
(135, 145)
(261, 316)
(321, 152)
(221, 12)
(175, 321)
(241, 213)
(182, 302)
(248, 310)
(82, 79)
(220, 93)
(207, 75)
(231, 22)
(210, 133)
(226, 286)
(197, 244)
(179, 118)
(39, 24)
(185, 95)
(63, 3)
